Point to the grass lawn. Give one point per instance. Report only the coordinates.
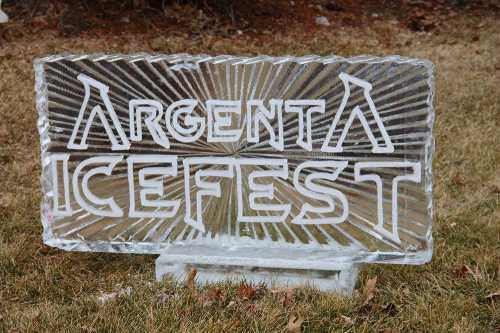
(45, 289)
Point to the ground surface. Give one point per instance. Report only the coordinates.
(44, 289)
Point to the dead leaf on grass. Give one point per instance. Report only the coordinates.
(462, 271)
(458, 180)
(45, 250)
(494, 296)
(212, 296)
(466, 270)
(346, 320)
(215, 294)
(190, 279)
(369, 290)
(252, 307)
(294, 324)
(246, 291)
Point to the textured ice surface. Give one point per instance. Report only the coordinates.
(397, 111)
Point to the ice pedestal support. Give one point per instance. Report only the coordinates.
(216, 265)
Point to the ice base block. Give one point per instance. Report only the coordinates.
(275, 267)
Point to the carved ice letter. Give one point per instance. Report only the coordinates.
(114, 210)
(54, 159)
(298, 106)
(152, 187)
(220, 125)
(319, 192)
(119, 141)
(153, 112)
(357, 112)
(207, 188)
(279, 169)
(195, 125)
(257, 113)
(414, 177)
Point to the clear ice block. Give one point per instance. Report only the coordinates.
(312, 163)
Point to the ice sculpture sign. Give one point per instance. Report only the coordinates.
(275, 166)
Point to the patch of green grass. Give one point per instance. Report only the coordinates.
(43, 289)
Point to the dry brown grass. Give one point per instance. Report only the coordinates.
(44, 289)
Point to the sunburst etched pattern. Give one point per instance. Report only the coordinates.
(324, 154)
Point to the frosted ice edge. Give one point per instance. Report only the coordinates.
(184, 57)
(42, 125)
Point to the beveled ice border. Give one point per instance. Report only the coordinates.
(191, 61)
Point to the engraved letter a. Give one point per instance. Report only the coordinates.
(356, 112)
(85, 119)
